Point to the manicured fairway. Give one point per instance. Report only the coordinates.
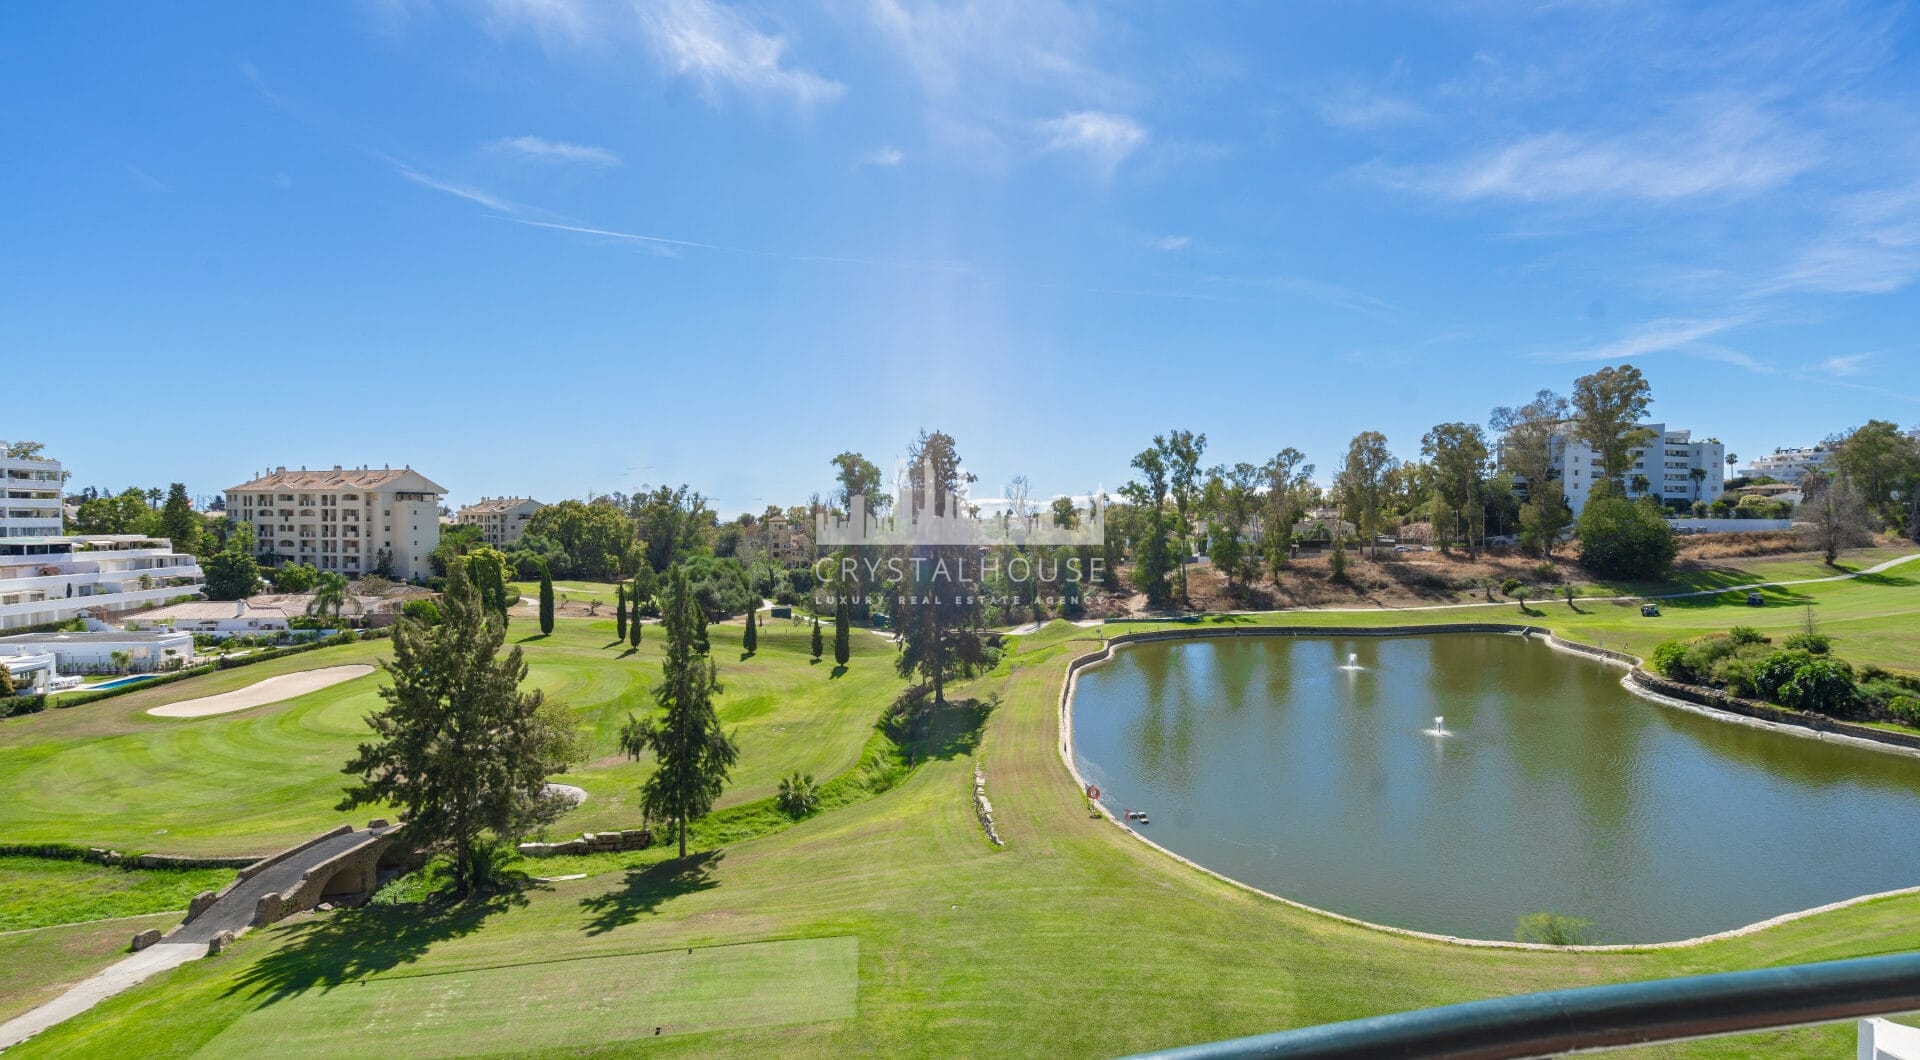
(109, 774)
(37, 892)
(1073, 940)
(562, 1003)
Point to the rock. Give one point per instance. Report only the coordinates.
(270, 908)
(219, 942)
(323, 907)
(200, 903)
(377, 822)
(145, 938)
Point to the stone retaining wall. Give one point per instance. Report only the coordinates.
(104, 856)
(593, 843)
(1720, 700)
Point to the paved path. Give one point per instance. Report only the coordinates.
(234, 913)
(261, 693)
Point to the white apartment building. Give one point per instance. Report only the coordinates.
(54, 579)
(502, 519)
(33, 505)
(1667, 464)
(1788, 465)
(351, 521)
(140, 653)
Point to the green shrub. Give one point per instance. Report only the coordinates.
(1703, 652)
(1620, 538)
(1546, 572)
(1507, 587)
(798, 796)
(1776, 670)
(1905, 709)
(1823, 686)
(1669, 659)
(423, 611)
(1746, 635)
(1734, 674)
(1811, 643)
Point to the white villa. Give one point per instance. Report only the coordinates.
(217, 618)
(95, 652)
(1789, 465)
(351, 521)
(34, 506)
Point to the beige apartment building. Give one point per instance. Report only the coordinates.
(353, 521)
(502, 519)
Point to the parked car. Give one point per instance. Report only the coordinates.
(1406, 548)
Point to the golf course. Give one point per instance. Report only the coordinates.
(886, 922)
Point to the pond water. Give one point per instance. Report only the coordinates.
(1277, 762)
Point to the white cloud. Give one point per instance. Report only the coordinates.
(1106, 138)
(1359, 109)
(709, 42)
(1170, 243)
(1660, 336)
(1722, 149)
(462, 191)
(884, 156)
(1844, 365)
(543, 150)
(718, 46)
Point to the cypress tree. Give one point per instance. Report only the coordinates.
(546, 601)
(691, 753)
(842, 639)
(817, 645)
(619, 613)
(633, 620)
(751, 641)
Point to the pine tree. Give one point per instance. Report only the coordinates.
(750, 641)
(818, 646)
(546, 601)
(619, 613)
(691, 754)
(458, 748)
(842, 633)
(700, 628)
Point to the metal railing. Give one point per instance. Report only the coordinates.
(1600, 1017)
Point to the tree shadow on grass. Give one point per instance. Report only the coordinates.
(838, 671)
(629, 651)
(532, 636)
(648, 887)
(351, 944)
(1884, 578)
(613, 644)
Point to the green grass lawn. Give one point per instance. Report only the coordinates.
(36, 965)
(39, 892)
(109, 774)
(1072, 940)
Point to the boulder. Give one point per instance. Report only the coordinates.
(145, 938)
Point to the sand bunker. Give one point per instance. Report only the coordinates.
(259, 694)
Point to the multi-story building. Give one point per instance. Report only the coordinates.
(502, 519)
(54, 579)
(1788, 465)
(787, 542)
(353, 521)
(1672, 468)
(33, 506)
(46, 577)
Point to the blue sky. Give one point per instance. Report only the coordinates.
(553, 246)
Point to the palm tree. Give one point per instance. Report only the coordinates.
(1640, 483)
(329, 594)
(1698, 475)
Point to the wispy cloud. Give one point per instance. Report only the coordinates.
(461, 191)
(669, 245)
(539, 149)
(1845, 364)
(719, 47)
(883, 156)
(712, 43)
(1725, 148)
(1170, 243)
(1105, 138)
(1659, 336)
(1311, 290)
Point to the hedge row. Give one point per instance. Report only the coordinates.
(63, 700)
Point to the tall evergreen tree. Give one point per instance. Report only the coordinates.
(546, 601)
(178, 521)
(458, 748)
(691, 754)
(633, 617)
(842, 632)
(818, 646)
(751, 639)
(619, 613)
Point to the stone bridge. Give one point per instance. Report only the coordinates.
(342, 867)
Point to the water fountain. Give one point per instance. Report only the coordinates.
(1439, 727)
(1353, 661)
